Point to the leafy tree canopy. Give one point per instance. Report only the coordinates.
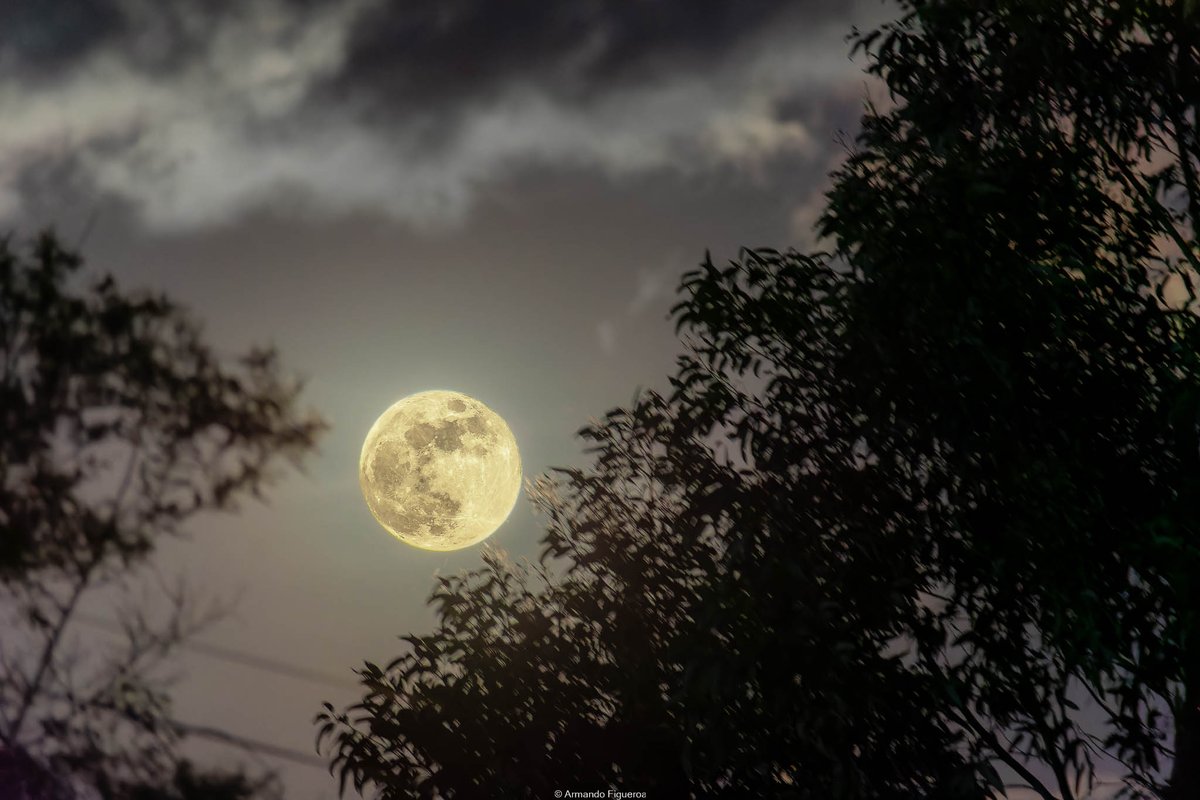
(916, 518)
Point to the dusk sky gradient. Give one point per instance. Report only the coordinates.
(496, 199)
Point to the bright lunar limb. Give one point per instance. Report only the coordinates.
(440, 470)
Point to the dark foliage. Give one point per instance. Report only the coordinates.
(918, 516)
(118, 424)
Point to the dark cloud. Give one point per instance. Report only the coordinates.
(41, 39)
(404, 54)
(196, 113)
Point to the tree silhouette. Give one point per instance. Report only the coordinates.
(917, 516)
(1024, 343)
(118, 424)
(699, 625)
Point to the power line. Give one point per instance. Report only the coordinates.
(244, 659)
(235, 656)
(224, 737)
(247, 743)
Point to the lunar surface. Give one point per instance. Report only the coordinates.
(440, 470)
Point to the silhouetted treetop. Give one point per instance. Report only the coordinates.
(916, 518)
(118, 424)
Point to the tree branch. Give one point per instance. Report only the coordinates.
(1185, 163)
(34, 685)
(1002, 753)
(1137, 186)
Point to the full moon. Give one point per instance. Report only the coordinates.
(440, 470)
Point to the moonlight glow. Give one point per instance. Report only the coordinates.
(440, 470)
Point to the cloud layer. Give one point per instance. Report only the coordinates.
(194, 114)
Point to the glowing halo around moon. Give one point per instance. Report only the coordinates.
(440, 470)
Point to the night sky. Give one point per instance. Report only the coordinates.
(494, 198)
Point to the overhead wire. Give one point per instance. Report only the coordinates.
(245, 659)
(234, 656)
(248, 743)
(219, 735)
